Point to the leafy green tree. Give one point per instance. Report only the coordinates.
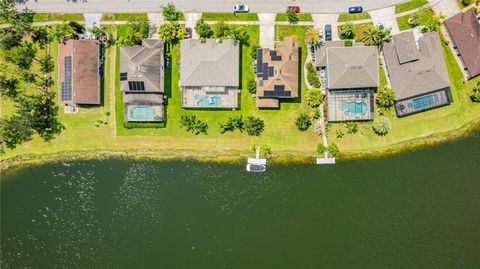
(220, 29)
(292, 16)
(58, 31)
(381, 126)
(385, 97)
(10, 77)
(238, 33)
(312, 36)
(140, 26)
(14, 130)
(333, 150)
(170, 12)
(303, 122)
(253, 51)
(171, 32)
(254, 126)
(347, 31)
(315, 113)
(78, 28)
(21, 55)
(203, 30)
(352, 127)
(312, 76)
(252, 86)
(466, 3)
(314, 97)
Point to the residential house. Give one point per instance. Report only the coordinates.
(464, 31)
(351, 76)
(78, 72)
(209, 73)
(417, 72)
(142, 81)
(277, 73)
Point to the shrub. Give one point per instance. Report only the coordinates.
(312, 76)
(203, 30)
(220, 29)
(265, 150)
(314, 97)
(466, 2)
(333, 150)
(139, 26)
(315, 113)
(303, 122)
(321, 148)
(252, 86)
(476, 94)
(233, 123)
(292, 16)
(381, 126)
(253, 51)
(385, 97)
(348, 43)
(192, 124)
(254, 126)
(352, 127)
(107, 113)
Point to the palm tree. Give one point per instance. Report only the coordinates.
(347, 30)
(376, 36)
(312, 36)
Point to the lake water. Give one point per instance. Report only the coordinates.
(413, 210)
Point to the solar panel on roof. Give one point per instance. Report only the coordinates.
(67, 83)
(136, 86)
(279, 88)
(259, 57)
(123, 76)
(274, 56)
(270, 71)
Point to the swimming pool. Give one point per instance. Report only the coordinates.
(208, 101)
(424, 102)
(142, 113)
(352, 108)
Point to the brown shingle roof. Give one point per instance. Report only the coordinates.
(277, 73)
(85, 78)
(465, 32)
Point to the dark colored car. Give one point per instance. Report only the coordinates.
(167, 62)
(293, 8)
(355, 9)
(188, 32)
(328, 32)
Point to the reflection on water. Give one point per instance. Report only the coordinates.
(416, 209)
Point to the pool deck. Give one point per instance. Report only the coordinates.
(157, 114)
(335, 104)
(228, 98)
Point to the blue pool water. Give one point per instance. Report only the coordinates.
(424, 102)
(142, 113)
(208, 101)
(352, 108)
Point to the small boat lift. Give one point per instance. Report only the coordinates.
(256, 164)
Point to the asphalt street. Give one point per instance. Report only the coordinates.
(256, 6)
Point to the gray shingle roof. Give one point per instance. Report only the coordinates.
(352, 67)
(143, 63)
(209, 63)
(405, 47)
(321, 51)
(426, 74)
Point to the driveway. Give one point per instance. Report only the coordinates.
(155, 19)
(320, 20)
(385, 16)
(91, 19)
(190, 21)
(446, 7)
(267, 30)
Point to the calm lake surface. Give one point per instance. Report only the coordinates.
(413, 210)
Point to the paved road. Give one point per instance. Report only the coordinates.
(257, 6)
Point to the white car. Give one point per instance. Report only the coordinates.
(241, 8)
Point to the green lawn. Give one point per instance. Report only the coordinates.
(409, 5)
(229, 17)
(422, 125)
(124, 16)
(41, 17)
(403, 21)
(301, 17)
(353, 17)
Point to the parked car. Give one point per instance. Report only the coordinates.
(328, 32)
(188, 32)
(241, 8)
(358, 9)
(293, 8)
(167, 62)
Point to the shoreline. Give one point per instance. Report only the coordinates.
(226, 156)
